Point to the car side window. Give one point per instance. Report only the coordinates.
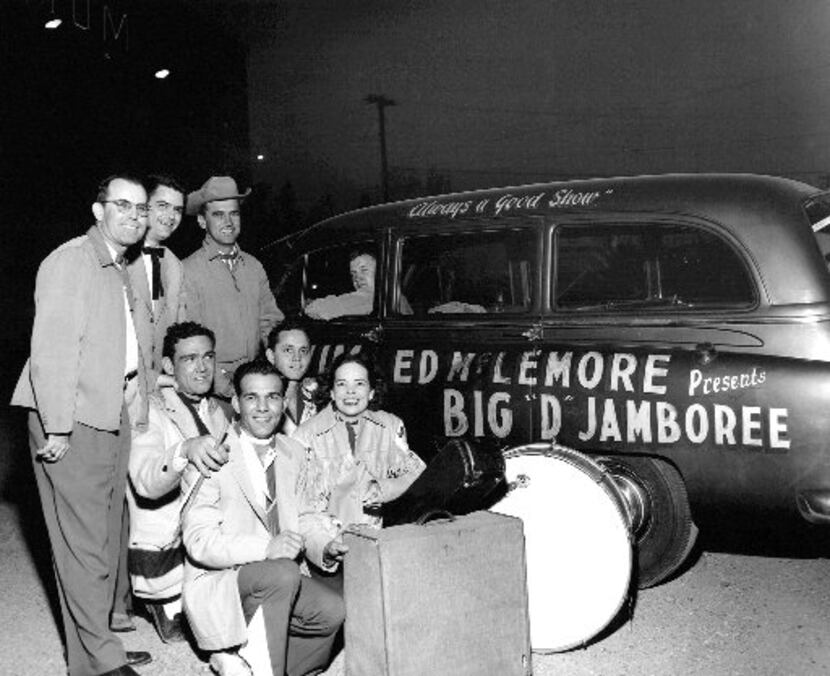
(339, 281)
(480, 272)
(649, 265)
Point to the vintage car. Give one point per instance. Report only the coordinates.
(674, 328)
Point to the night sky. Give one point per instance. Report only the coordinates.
(487, 92)
(494, 93)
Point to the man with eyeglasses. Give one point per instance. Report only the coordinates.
(84, 380)
(226, 288)
(156, 272)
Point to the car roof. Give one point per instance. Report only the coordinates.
(752, 208)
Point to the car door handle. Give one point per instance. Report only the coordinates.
(705, 353)
(372, 335)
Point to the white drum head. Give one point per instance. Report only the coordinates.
(578, 550)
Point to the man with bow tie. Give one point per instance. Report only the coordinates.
(186, 427)
(245, 542)
(155, 272)
(226, 288)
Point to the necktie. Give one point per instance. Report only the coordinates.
(351, 430)
(265, 454)
(192, 405)
(229, 259)
(156, 253)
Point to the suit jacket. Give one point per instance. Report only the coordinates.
(170, 308)
(76, 368)
(226, 527)
(153, 495)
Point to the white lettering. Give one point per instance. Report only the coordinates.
(697, 430)
(551, 416)
(403, 362)
(592, 420)
(622, 366)
(778, 428)
(725, 423)
(499, 414)
(610, 426)
(652, 371)
(526, 368)
(559, 369)
(428, 367)
(455, 420)
(668, 431)
(751, 425)
(595, 358)
(638, 421)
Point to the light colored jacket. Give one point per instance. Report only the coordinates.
(382, 459)
(153, 495)
(76, 368)
(238, 307)
(170, 308)
(226, 527)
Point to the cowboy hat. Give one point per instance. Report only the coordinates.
(215, 188)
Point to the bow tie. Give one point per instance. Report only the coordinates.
(156, 253)
(229, 256)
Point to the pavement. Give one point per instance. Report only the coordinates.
(728, 614)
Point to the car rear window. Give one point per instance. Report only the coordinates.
(620, 267)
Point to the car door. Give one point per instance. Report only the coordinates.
(460, 331)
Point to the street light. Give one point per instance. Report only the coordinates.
(381, 102)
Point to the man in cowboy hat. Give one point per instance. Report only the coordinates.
(225, 288)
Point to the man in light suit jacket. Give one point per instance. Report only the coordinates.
(243, 539)
(155, 271)
(186, 426)
(84, 373)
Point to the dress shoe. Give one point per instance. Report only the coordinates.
(138, 657)
(121, 622)
(229, 664)
(169, 630)
(124, 670)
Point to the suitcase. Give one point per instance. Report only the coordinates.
(447, 598)
(465, 476)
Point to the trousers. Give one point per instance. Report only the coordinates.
(82, 496)
(301, 615)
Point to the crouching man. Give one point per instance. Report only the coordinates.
(185, 427)
(244, 541)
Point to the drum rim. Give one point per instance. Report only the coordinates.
(602, 476)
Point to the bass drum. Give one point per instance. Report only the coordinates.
(577, 540)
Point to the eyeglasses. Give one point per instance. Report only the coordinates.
(126, 207)
(161, 205)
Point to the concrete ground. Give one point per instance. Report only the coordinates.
(727, 614)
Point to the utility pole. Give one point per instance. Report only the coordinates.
(381, 102)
